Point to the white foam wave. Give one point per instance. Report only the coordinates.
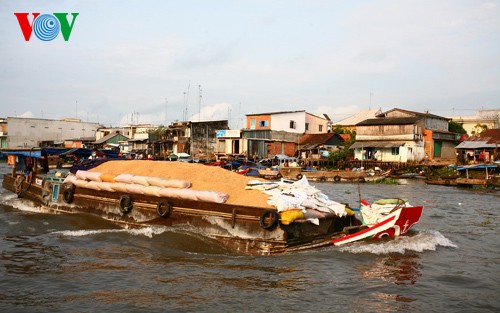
(423, 241)
(146, 231)
(7, 197)
(22, 204)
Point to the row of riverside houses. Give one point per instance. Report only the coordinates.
(396, 135)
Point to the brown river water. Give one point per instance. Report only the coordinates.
(449, 262)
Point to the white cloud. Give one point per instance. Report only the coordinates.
(215, 112)
(27, 114)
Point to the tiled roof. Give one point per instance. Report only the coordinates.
(492, 136)
(417, 113)
(390, 121)
(315, 138)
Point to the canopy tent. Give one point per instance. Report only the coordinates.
(178, 155)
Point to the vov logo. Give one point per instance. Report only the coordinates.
(46, 26)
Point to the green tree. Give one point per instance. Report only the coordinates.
(455, 127)
(478, 129)
(345, 153)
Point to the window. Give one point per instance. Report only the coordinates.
(263, 123)
(293, 124)
(320, 128)
(307, 126)
(395, 150)
(252, 123)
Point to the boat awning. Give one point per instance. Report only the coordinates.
(34, 154)
(377, 144)
(179, 155)
(477, 167)
(78, 151)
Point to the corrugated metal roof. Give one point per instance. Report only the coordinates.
(271, 113)
(356, 118)
(108, 137)
(474, 144)
(377, 144)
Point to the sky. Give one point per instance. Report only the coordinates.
(163, 61)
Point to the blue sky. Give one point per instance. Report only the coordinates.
(250, 57)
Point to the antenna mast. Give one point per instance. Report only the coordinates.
(199, 104)
(187, 101)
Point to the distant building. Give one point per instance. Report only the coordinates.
(350, 122)
(482, 148)
(19, 132)
(111, 141)
(274, 133)
(404, 136)
(204, 138)
(315, 148)
(82, 142)
(490, 119)
(229, 143)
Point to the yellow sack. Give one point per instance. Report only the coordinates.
(349, 212)
(291, 215)
(107, 178)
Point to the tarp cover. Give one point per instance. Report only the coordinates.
(34, 154)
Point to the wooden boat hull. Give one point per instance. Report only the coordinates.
(240, 228)
(394, 224)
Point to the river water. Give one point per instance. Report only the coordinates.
(449, 262)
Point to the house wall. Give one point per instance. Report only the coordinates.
(260, 122)
(282, 122)
(29, 132)
(409, 152)
(389, 132)
(317, 125)
(203, 136)
(277, 147)
(436, 124)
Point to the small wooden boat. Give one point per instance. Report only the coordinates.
(335, 176)
(394, 223)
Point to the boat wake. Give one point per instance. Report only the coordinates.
(19, 203)
(149, 231)
(422, 241)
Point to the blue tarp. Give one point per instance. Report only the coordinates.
(477, 167)
(34, 154)
(78, 152)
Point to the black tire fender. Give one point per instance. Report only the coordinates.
(279, 176)
(299, 176)
(269, 219)
(322, 179)
(163, 208)
(125, 204)
(336, 178)
(68, 195)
